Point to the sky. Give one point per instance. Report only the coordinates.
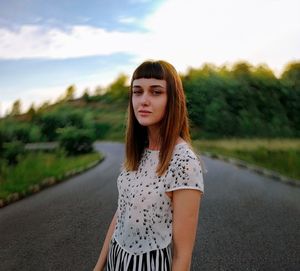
(46, 46)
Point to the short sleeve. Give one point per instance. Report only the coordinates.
(185, 173)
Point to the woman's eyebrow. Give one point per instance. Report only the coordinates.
(152, 86)
(155, 86)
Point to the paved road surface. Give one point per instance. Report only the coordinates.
(246, 222)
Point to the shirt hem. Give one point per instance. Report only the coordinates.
(133, 253)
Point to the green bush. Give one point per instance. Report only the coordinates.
(75, 141)
(12, 151)
(1, 141)
(18, 131)
(63, 117)
(2, 166)
(101, 129)
(49, 123)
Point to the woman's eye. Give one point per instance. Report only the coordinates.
(156, 92)
(137, 91)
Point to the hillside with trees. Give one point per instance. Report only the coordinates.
(242, 101)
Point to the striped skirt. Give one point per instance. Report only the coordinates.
(155, 260)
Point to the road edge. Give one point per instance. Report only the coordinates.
(263, 171)
(47, 182)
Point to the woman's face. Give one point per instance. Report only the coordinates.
(149, 100)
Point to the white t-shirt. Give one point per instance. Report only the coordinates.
(145, 212)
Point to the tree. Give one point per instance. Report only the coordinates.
(86, 95)
(70, 93)
(1, 141)
(43, 107)
(290, 94)
(118, 90)
(31, 112)
(75, 141)
(49, 122)
(291, 75)
(12, 151)
(16, 108)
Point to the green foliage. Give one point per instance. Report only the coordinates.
(70, 93)
(33, 168)
(21, 132)
(16, 108)
(43, 107)
(290, 95)
(3, 165)
(86, 95)
(101, 129)
(75, 141)
(65, 116)
(238, 101)
(12, 151)
(49, 122)
(1, 139)
(35, 134)
(118, 90)
(31, 112)
(291, 75)
(245, 101)
(282, 156)
(12, 130)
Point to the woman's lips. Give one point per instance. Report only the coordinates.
(144, 113)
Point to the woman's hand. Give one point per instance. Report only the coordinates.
(97, 269)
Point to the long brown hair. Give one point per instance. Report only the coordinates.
(174, 123)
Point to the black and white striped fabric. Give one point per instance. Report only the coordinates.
(155, 260)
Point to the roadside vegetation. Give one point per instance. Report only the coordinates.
(34, 168)
(279, 155)
(240, 111)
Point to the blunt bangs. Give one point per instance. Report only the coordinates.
(149, 69)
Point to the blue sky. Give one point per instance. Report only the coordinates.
(106, 14)
(45, 46)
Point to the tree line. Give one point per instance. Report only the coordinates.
(241, 101)
(244, 101)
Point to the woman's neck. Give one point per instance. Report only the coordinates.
(153, 139)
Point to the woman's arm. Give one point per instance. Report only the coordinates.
(186, 204)
(103, 255)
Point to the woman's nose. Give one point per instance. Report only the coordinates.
(145, 98)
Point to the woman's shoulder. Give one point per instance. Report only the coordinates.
(184, 151)
(184, 147)
(185, 169)
(186, 154)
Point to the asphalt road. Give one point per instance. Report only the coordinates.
(247, 221)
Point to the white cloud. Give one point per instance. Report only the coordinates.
(187, 33)
(127, 20)
(36, 42)
(192, 32)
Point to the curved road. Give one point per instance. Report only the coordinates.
(246, 222)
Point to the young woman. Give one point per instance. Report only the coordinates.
(161, 183)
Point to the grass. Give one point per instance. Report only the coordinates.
(279, 155)
(35, 167)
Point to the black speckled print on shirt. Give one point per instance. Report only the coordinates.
(144, 216)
